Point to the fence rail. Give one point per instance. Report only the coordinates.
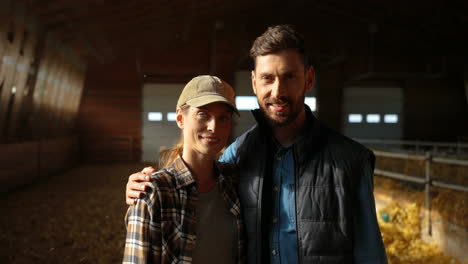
(459, 147)
(399, 155)
(400, 176)
(427, 181)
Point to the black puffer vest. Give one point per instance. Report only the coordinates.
(328, 168)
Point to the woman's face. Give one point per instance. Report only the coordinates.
(206, 129)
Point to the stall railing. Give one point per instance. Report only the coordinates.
(427, 181)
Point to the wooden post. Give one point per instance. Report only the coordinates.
(40, 89)
(7, 71)
(22, 72)
(77, 86)
(428, 192)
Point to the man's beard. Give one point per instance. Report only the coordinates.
(295, 110)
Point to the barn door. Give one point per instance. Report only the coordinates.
(373, 112)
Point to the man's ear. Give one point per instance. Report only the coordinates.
(254, 85)
(310, 78)
(179, 118)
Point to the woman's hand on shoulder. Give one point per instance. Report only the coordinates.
(137, 184)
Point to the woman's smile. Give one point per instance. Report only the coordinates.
(210, 139)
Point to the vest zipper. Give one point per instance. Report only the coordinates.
(296, 178)
(259, 216)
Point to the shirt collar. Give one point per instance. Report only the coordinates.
(278, 146)
(183, 176)
(181, 173)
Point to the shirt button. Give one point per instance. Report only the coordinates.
(275, 188)
(275, 220)
(273, 252)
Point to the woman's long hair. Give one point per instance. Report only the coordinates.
(167, 156)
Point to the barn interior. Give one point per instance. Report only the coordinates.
(88, 91)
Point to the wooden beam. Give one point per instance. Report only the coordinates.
(23, 65)
(51, 8)
(12, 42)
(84, 14)
(40, 88)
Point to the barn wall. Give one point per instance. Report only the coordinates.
(109, 123)
(41, 82)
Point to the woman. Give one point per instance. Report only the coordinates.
(191, 213)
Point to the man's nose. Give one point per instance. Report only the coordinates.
(278, 88)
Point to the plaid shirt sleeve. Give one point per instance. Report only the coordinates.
(143, 242)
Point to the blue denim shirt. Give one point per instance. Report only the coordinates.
(283, 232)
(283, 238)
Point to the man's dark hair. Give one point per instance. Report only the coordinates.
(279, 38)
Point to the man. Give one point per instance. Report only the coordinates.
(306, 191)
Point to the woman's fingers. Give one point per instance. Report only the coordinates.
(148, 170)
(138, 177)
(130, 201)
(136, 185)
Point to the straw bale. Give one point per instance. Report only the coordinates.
(401, 236)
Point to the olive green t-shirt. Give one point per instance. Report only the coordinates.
(217, 236)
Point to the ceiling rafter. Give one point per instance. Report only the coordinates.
(49, 8)
(192, 14)
(103, 19)
(85, 12)
(132, 22)
(92, 38)
(107, 27)
(368, 14)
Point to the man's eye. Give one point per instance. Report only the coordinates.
(289, 75)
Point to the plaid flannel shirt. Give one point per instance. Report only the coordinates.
(161, 226)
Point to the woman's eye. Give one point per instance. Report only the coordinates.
(202, 115)
(225, 118)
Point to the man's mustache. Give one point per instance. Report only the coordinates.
(281, 100)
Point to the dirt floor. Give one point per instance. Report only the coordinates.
(74, 217)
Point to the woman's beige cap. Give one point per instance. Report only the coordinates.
(207, 89)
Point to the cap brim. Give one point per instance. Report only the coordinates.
(208, 99)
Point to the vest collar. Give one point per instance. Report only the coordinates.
(308, 145)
